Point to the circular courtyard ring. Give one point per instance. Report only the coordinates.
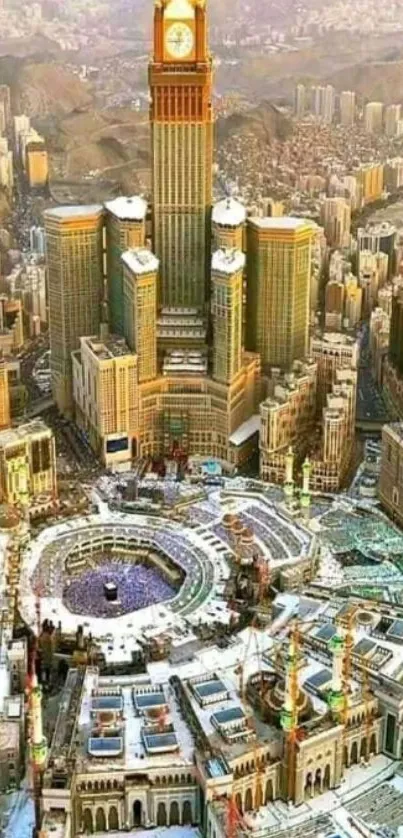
(45, 562)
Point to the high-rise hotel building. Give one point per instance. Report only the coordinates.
(125, 220)
(180, 77)
(74, 243)
(180, 310)
(226, 309)
(279, 254)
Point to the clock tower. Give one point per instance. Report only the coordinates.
(180, 77)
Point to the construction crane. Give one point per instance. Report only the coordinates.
(234, 822)
(259, 767)
(263, 583)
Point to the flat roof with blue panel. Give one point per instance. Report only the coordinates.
(160, 742)
(107, 702)
(224, 717)
(105, 746)
(319, 680)
(364, 647)
(216, 768)
(396, 630)
(209, 689)
(148, 701)
(326, 632)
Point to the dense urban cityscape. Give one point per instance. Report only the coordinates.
(201, 419)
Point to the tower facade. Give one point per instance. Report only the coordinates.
(180, 77)
(226, 309)
(279, 276)
(125, 227)
(140, 304)
(74, 244)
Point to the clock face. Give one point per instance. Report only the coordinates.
(179, 40)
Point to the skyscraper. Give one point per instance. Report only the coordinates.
(373, 117)
(197, 391)
(336, 220)
(140, 309)
(300, 101)
(323, 102)
(180, 77)
(392, 120)
(74, 242)
(125, 228)
(347, 107)
(228, 224)
(226, 308)
(278, 275)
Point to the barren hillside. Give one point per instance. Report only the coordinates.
(381, 81)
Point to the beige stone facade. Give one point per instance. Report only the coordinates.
(28, 466)
(391, 478)
(279, 256)
(105, 389)
(74, 243)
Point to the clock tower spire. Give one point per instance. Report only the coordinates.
(180, 77)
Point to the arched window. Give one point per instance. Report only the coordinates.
(113, 819)
(259, 796)
(318, 779)
(88, 822)
(137, 813)
(269, 792)
(326, 779)
(100, 821)
(248, 800)
(161, 815)
(363, 748)
(372, 746)
(174, 813)
(238, 802)
(308, 783)
(187, 817)
(354, 754)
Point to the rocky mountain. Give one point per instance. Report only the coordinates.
(379, 81)
(265, 121)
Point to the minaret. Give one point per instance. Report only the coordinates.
(305, 496)
(38, 741)
(289, 713)
(289, 479)
(336, 695)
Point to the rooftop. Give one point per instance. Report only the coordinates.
(229, 213)
(285, 222)
(246, 430)
(140, 261)
(228, 261)
(13, 436)
(107, 348)
(127, 209)
(67, 212)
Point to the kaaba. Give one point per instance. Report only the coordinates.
(110, 591)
